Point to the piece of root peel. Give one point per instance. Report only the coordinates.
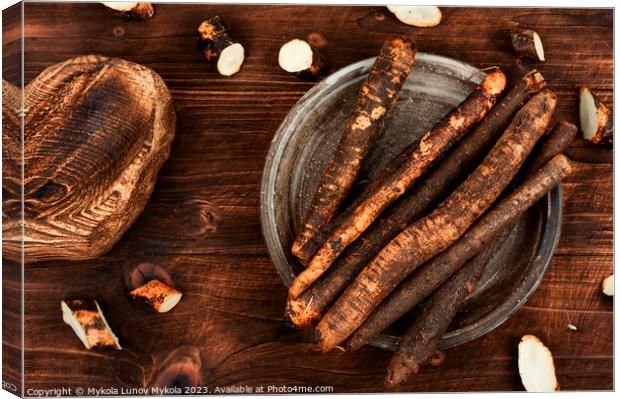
(536, 366)
(130, 10)
(608, 286)
(215, 42)
(596, 120)
(301, 59)
(87, 320)
(420, 16)
(159, 296)
(527, 43)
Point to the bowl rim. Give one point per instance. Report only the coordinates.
(546, 246)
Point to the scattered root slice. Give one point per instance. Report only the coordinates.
(216, 44)
(527, 43)
(158, 295)
(536, 366)
(421, 16)
(597, 122)
(608, 286)
(87, 320)
(301, 59)
(129, 10)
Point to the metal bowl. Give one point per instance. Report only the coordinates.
(306, 139)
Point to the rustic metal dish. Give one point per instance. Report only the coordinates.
(305, 140)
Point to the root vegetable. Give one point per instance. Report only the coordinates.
(216, 44)
(608, 285)
(86, 319)
(435, 232)
(558, 140)
(432, 145)
(421, 16)
(418, 345)
(159, 296)
(301, 59)
(376, 97)
(452, 169)
(597, 122)
(536, 366)
(527, 43)
(130, 10)
(490, 228)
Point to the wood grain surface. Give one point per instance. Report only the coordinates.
(202, 221)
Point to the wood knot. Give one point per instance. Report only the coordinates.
(317, 40)
(180, 369)
(118, 31)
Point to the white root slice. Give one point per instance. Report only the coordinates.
(231, 59)
(295, 56)
(122, 6)
(158, 295)
(608, 285)
(536, 366)
(88, 322)
(538, 46)
(588, 114)
(421, 16)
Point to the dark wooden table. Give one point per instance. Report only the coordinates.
(202, 221)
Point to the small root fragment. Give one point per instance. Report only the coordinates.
(527, 43)
(596, 120)
(420, 16)
(215, 42)
(87, 321)
(608, 285)
(130, 10)
(301, 59)
(536, 366)
(158, 295)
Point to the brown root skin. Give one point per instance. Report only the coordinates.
(524, 43)
(218, 47)
(432, 234)
(408, 295)
(213, 37)
(157, 295)
(418, 201)
(603, 133)
(141, 11)
(87, 320)
(376, 97)
(433, 144)
(481, 235)
(419, 344)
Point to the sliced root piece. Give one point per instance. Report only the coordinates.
(536, 366)
(301, 59)
(129, 10)
(597, 122)
(608, 286)
(216, 44)
(158, 295)
(87, 320)
(527, 43)
(421, 16)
